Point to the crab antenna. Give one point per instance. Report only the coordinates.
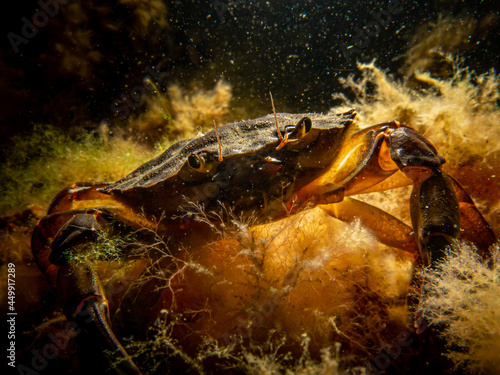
(218, 141)
(283, 141)
(275, 117)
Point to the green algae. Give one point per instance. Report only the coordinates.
(38, 165)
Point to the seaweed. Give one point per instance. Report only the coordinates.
(460, 295)
(39, 164)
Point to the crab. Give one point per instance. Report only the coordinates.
(266, 168)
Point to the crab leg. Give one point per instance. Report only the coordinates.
(77, 192)
(388, 229)
(474, 227)
(77, 283)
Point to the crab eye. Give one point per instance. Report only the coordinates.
(297, 133)
(198, 165)
(195, 161)
(203, 161)
(307, 122)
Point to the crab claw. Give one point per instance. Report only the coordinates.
(79, 285)
(435, 216)
(413, 153)
(434, 208)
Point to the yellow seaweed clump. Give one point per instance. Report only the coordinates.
(460, 296)
(182, 113)
(302, 285)
(199, 108)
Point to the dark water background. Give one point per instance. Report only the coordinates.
(296, 49)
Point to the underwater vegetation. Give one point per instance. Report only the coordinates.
(35, 168)
(102, 155)
(336, 300)
(461, 296)
(306, 294)
(198, 106)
